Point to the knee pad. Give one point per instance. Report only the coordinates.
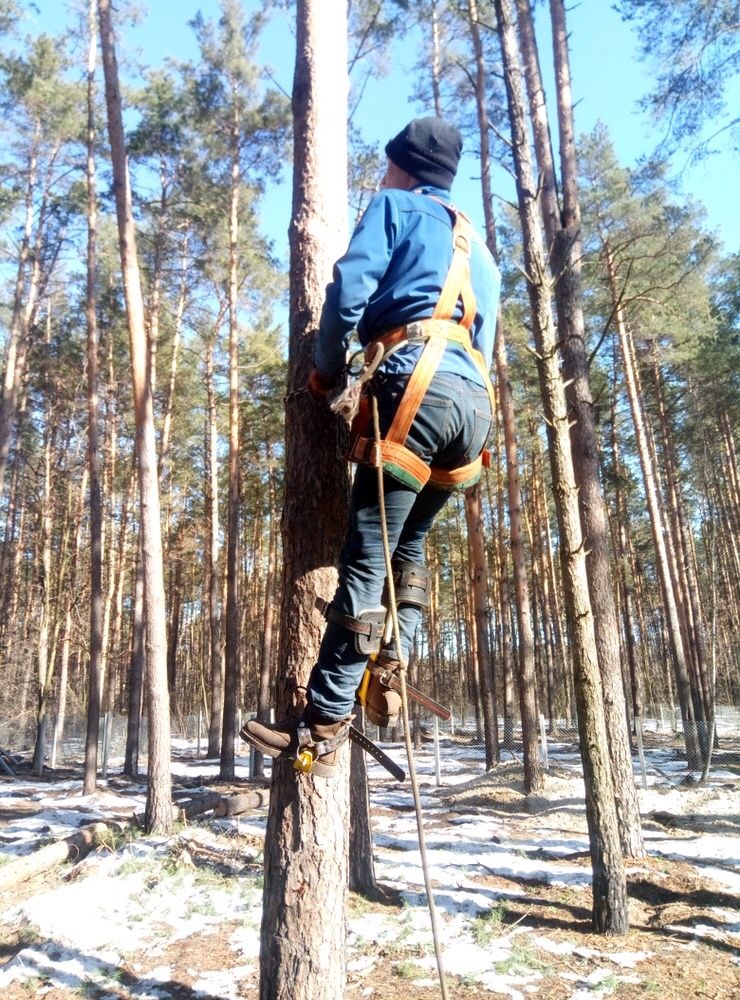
(367, 627)
(412, 583)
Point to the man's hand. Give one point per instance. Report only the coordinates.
(320, 385)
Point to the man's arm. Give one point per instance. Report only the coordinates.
(356, 277)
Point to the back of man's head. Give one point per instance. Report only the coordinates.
(428, 149)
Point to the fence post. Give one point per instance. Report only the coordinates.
(252, 751)
(437, 761)
(640, 749)
(543, 744)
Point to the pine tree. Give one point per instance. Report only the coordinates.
(303, 923)
(159, 813)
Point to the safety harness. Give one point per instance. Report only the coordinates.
(434, 334)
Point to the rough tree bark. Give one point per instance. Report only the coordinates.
(303, 953)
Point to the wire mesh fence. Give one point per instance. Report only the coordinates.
(661, 747)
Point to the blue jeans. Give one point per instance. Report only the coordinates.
(449, 430)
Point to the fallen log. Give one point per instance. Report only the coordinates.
(235, 805)
(72, 848)
(197, 805)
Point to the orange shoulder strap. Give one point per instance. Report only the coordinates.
(457, 284)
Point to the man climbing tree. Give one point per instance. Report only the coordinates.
(422, 290)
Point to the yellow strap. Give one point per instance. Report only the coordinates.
(416, 388)
(457, 284)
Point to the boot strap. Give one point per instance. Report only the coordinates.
(383, 671)
(320, 747)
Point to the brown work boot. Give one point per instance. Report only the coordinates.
(382, 703)
(292, 737)
(276, 739)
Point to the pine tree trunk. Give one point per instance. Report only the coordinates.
(361, 866)
(169, 401)
(687, 585)
(232, 675)
(113, 614)
(214, 620)
(303, 938)
(626, 583)
(435, 60)
(501, 639)
(479, 609)
(173, 615)
(609, 884)
(93, 452)
(44, 663)
(159, 814)
(68, 601)
(526, 676)
(264, 685)
(137, 669)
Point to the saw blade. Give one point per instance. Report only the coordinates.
(393, 682)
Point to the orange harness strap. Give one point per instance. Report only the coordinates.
(436, 332)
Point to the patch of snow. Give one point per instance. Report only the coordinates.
(140, 900)
(226, 983)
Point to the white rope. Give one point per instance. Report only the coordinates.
(405, 707)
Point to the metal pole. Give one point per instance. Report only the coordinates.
(640, 749)
(543, 743)
(437, 762)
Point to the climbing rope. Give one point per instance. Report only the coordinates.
(405, 709)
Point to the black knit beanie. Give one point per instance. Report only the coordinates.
(428, 149)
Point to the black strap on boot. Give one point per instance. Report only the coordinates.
(368, 626)
(309, 748)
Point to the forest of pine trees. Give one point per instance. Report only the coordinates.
(652, 368)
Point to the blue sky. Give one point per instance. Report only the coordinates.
(608, 81)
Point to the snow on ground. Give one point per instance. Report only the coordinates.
(134, 903)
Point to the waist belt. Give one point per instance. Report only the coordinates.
(434, 333)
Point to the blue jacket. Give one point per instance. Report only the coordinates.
(393, 272)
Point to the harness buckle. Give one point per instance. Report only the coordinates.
(415, 331)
